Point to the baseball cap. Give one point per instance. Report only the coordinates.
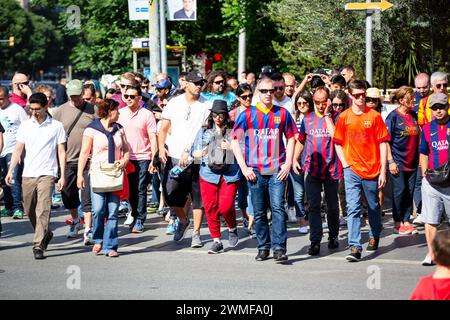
(194, 76)
(438, 98)
(74, 88)
(163, 84)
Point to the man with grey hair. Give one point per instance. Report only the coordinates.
(439, 82)
(289, 84)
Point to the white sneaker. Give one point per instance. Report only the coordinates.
(303, 230)
(88, 237)
(291, 215)
(418, 220)
(325, 225)
(428, 261)
(129, 220)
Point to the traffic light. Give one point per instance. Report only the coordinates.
(11, 41)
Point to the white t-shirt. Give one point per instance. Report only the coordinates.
(286, 103)
(11, 117)
(185, 121)
(41, 142)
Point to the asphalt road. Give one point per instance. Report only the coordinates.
(152, 266)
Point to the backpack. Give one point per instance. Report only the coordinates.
(217, 157)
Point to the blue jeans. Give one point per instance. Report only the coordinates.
(418, 190)
(138, 181)
(105, 204)
(13, 194)
(354, 185)
(269, 186)
(403, 185)
(244, 200)
(156, 183)
(314, 194)
(298, 185)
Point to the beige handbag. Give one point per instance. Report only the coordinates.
(106, 177)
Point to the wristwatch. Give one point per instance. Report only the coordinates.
(328, 115)
(391, 161)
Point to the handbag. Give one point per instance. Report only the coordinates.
(440, 177)
(106, 177)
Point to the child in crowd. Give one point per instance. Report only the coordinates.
(437, 285)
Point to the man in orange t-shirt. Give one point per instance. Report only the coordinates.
(361, 143)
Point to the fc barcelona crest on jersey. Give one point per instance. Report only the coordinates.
(277, 120)
(367, 124)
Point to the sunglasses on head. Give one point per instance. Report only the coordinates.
(246, 96)
(338, 105)
(264, 91)
(220, 82)
(373, 100)
(359, 95)
(441, 85)
(129, 96)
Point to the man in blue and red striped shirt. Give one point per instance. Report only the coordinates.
(266, 166)
(434, 154)
(321, 164)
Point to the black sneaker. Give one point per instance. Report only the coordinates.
(216, 247)
(373, 244)
(279, 255)
(354, 255)
(262, 255)
(38, 254)
(333, 243)
(48, 237)
(314, 249)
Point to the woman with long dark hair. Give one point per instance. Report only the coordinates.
(244, 100)
(219, 172)
(303, 104)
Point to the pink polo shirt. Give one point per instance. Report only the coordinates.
(100, 145)
(138, 126)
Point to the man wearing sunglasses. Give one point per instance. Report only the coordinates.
(183, 116)
(439, 84)
(433, 152)
(266, 165)
(279, 97)
(140, 129)
(20, 90)
(216, 88)
(127, 80)
(361, 139)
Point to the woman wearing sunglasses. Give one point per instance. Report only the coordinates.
(304, 104)
(244, 100)
(403, 158)
(219, 174)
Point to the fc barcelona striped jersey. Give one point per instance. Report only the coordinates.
(434, 143)
(319, 158)
(262, 131)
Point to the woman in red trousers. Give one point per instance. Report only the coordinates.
(218, 172)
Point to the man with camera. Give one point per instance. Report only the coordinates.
(433, 157)
(20, 90)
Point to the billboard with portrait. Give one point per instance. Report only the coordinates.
(182, 10)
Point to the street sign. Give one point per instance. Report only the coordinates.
(138, 9)
(383, 5)
(140, 44)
